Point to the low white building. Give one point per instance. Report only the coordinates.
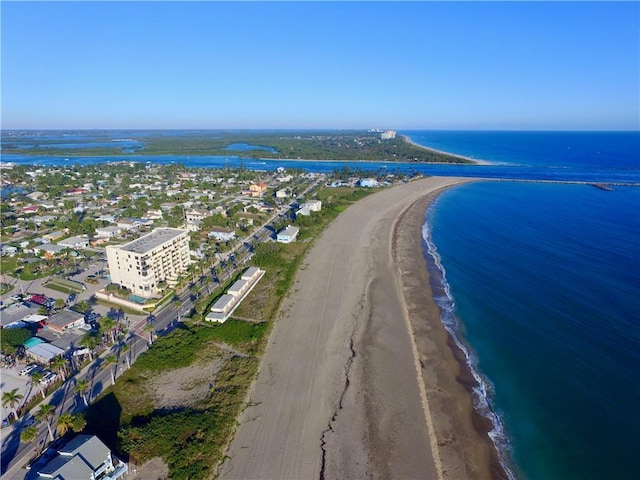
(311, 206)
(222, 234)
(288, 235)
(74, 242)
(110, 231)
(228, 302)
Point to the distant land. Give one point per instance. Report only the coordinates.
(296, 145)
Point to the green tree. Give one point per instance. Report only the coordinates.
(59, 365)
(29, 435)
(64, 423)
(90, 340)
(12, 398)
(44, 414)
(109, 326)
(35, 381)
(12, 338)
(81, 388)
(111, 361)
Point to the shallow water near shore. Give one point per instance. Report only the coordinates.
(542, 283)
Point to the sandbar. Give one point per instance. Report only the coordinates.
(360, 378)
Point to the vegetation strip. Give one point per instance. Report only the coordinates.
(192, 437)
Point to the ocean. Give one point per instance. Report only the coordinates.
(542, 285)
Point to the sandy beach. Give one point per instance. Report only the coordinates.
(359, 379)
(474, 160)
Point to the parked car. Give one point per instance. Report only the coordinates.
(48, 377)
(28, 369)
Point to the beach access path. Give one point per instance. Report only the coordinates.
(340, 390)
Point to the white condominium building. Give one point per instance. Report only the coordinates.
(142, 264)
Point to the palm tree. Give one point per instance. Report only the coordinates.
(59, 364)
(89, 341)
(109, 325)
(29, 434)
(125, 349)
(35, 380)
(112, 360)
(83, 306)
(64, 422)
(67, 421)
(81, 388)
(149, 328)
(12, 398)
(45, 413)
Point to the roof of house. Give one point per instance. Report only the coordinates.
(78, 459)
(65, 317)
(290, 231)
(45, 351)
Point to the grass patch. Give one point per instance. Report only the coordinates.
(192, 439)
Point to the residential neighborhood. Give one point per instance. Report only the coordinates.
(94, 259)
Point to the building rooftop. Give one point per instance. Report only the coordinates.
(151, 240)
(64, 318)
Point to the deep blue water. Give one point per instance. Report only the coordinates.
(543, 285)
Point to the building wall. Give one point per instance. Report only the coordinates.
(142, 272)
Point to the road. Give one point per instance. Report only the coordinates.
(16, 454)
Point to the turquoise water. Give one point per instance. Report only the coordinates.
(137, 299)
(543, 290)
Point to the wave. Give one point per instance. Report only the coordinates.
(482, 392)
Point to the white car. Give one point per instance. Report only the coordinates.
(28, 369)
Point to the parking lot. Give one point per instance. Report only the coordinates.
(10, 377)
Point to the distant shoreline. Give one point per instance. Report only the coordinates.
(429, 149)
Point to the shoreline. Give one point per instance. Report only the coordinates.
(359, 381)
(464, 445)
(474, 160)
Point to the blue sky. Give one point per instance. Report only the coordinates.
(404, 65)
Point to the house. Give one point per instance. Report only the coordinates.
(48, 249)
(29, 209)
(222, 234)
(84, 457)
(308, 207)
(43, 352)
(107, 218)
(65, 320)
(288, 235)
(196, 215)
(110, 231)
(35, 196)
(282, 193)
(368, 182)
(53, 236)
(126, 224)
(154, 214)
(257, 189)
(9, 250)
(74, 242)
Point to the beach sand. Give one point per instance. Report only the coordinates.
(473, 160)
(359, 379)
